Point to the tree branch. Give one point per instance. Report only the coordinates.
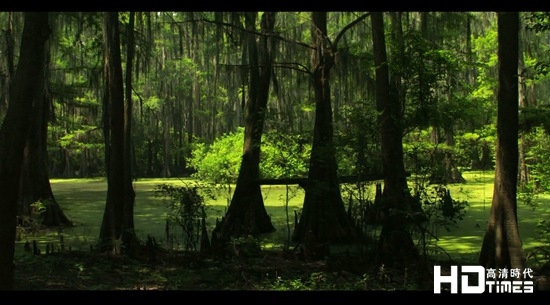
(347, 27)
(287, 65)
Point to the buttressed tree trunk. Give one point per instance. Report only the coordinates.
(111, 235)
(324, 219)
(28, 87)
(502, 245)
(395, 243)
(247, 214)
(35, 182)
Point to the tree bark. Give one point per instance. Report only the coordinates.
(28, 87)
(7, 80)
(115, 219)
(246, 214)
(395, 242)
(452, 173)
(502, 245)
(524, 140)
(35, 182)
(166, 155)
(324, 219)
(128, 234)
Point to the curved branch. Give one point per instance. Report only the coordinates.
(298, 67)
(347, 27)
(287, 65)
(274, 35)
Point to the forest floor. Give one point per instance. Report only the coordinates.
(273, 270)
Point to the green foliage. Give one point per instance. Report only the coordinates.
(418, 149)
(219, 161)
(536, 143)
(537, 158)
(424, 157)
(441, 210)
(246, 246)
(31, 223)
(88, 137)
(315, 281)
(281, 284)
(535, 70)
(541, 254)
(282, 155)
(78, 145)
(343, 280)
(186, 209)
(363, 207)
(535, 116)
(153, 103)
(471, 147)
(356, 140)
(427, 72)
(537, 21)
(486, 58)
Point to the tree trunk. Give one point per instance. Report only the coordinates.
(128, 234)
(395, 244)
(113, 224)
(453, 174)
(324, 219)
(523, 148)
(246, 214)
(502, 245)
(34, 180)
(84, 170)
(149, 170)
(10, 66)
(486, 160)
(28, 87)
(445, 170)
(68, 167)
(166, 156)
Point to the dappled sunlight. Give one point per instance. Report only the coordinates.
(83, 181)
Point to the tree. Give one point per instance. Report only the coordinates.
(35, 182)
(9, 65)
(502, 245)
(27, 90)
(246, 214)
(117, 225)
(129, 235)
(75, 143)
(523, 102)
(395, 243)
(324, 219)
